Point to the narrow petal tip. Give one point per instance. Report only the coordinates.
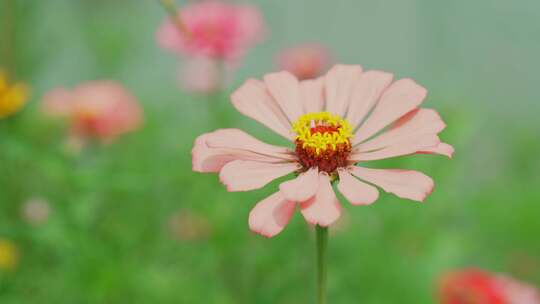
(270, 216)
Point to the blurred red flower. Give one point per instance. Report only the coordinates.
(475, 286)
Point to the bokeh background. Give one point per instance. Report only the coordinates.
(130, 222)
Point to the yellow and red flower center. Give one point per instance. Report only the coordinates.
(322, 141)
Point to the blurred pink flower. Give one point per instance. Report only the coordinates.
(319, 117)
(201, 75)
(35, 211)
(57, 103)
(184, 225)
(216, 30)
(96, 109)
(305, 61)
(518, 292)
(476, 286)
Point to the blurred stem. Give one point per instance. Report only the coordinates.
(322, 245)
(220, 76)
(217, 105)
(174, 15)
(7, 40)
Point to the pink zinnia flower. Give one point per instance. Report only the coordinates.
(333, 123)
(215, 29)
(475, 286)
(95, 109)
(305, 61)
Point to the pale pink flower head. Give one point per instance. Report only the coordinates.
(476, 286)
(305, 61)
(334, 123)
(35, 211)
(202, 75)
(184, 225)
(100, 110)
(214, 29)
(517, 292)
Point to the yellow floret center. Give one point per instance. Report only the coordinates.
(322, 131)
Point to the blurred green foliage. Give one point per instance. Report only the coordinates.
(107, 239)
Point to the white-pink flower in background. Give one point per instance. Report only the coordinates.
(335, 122)
(202, 75)
(214, 29)
(305, 61)
(185, 225)
(518, 292)
(100, 110)
(35, 211)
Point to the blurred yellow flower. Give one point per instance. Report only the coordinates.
(12, 96)
(9, 256)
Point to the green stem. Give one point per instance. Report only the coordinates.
(174, 15)
(221, 75)
(322, 245)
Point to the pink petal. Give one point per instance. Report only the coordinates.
(323, 209)
(366, 92)
(271, 215)
(339, 82)
(202, 75)
(212, 159)
(356, 191)
(168, 37)
(411, 126)
(251, 27)
(301, 188)
(442, 149)
(205, 159)
(312, 95)
(407, 184)
(245, 175)
(253, 100)
(411, 146)
(238, 139)
(285, 89)
(400, 98)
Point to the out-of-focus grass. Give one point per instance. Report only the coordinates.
(107, 240)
